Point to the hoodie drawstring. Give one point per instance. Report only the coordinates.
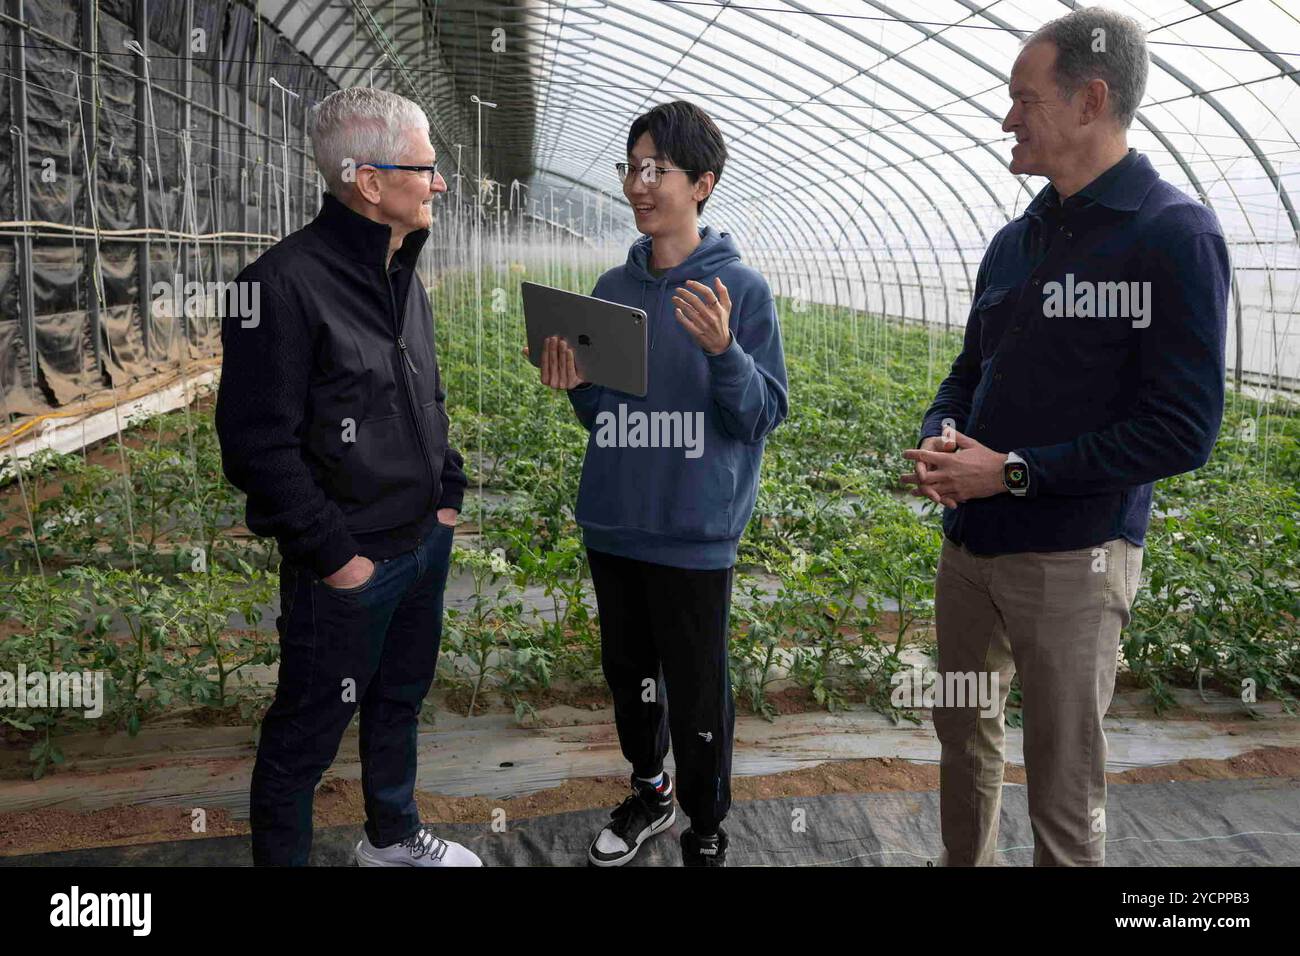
(652, 317)
(659, 308)
(716, 252)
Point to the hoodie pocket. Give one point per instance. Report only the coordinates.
(659, 491)
(703, 511)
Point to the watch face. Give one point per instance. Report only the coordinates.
(1015, 475)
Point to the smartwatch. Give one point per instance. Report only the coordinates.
(1015, 475)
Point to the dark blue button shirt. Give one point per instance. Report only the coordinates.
(1094, 350)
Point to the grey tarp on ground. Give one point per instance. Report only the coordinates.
(1211, 823)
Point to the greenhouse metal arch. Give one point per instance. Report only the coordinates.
(888, 119)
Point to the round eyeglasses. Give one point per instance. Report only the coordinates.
(650, 174)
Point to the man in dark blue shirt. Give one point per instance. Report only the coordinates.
(1093, 365)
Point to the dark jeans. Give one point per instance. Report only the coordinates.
(377, 645)
(668, 626)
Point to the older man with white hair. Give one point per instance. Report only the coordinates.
(331, 418)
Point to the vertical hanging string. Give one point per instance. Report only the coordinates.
(97, 276)
(136, 48)
(460, 243)
(478, 337)
(22, 487)
(478, 302)
(1263, 435)
(76, 289)
(499, 283)
(189, 206)
(97, 284)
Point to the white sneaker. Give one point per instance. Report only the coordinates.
(421, 848)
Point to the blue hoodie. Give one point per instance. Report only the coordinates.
(685, 505)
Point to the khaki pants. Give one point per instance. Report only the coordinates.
(1054, 617)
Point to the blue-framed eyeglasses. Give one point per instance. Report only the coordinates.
(430, 170)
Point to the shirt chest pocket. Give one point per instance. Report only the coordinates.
(1095, 324)
(994, 310)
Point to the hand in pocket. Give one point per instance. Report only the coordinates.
(357, 572)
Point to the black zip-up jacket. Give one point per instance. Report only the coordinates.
(330, 411)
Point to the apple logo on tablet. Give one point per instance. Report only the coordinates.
(584, 339)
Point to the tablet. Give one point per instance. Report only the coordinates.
(608, 339)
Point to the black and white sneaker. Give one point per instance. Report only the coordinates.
(704, 851)
(646, 811)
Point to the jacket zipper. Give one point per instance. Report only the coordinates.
(406, 381)
(401, 344)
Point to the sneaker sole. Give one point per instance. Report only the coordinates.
(362, 859)
(657, 828)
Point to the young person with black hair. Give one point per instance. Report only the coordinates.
(662, 513)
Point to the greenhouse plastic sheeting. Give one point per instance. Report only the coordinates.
(867, 166)
(1204, 823)
(225, 174)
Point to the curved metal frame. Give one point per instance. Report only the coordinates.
(895, 223)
